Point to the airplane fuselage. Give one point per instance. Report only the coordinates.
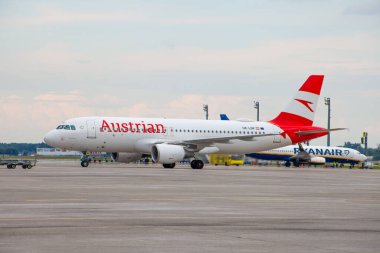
(119, 134)
(331, 154)
(171, 140)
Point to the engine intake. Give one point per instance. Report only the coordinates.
(317, 160)
(166, 153)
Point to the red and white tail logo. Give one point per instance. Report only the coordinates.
(301, 109)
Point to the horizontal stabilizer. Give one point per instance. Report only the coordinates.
(319, 131)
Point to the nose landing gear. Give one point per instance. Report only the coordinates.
(85, 160)
(84, 163)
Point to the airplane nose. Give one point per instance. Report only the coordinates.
(50, 138)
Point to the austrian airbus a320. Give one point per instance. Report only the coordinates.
(169, 141)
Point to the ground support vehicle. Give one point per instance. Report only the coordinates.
(25, 164)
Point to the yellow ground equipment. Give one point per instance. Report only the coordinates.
(219, 159)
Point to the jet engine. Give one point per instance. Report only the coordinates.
(123, 157)
(317, 160)
(166, 153)
(303, 157)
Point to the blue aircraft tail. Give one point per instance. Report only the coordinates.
(224, 117)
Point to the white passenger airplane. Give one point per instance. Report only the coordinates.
(311, 155)
(171, 140)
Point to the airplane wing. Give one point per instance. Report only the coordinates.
(319, 131)
(208, 141)
(195, 144)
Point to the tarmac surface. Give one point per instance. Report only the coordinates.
(61, 207)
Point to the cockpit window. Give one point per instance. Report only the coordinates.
(66, 127)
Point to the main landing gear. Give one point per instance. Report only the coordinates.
(197, 164)
(169, 165)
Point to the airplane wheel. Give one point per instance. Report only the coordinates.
(29, 166)
(197, 164)
(84, 164)
(296, 164)
(169, 165)
(287, 164)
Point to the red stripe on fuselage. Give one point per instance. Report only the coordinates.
(290, 130)
(291, 123)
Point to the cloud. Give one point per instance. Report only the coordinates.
(293, 56)
(40, 113)
(46, 110)
(49, 16)
(364, 8)
(207, 20)
(11, 97)
(288, 55)
(54, 97)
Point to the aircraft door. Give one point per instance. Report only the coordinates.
(168, 132)
(276, 138)
(91, 129)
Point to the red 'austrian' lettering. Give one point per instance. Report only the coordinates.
(132, 127)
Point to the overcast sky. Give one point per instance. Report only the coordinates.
(63, 59)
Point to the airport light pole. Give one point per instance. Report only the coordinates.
(365, 142)
(328, 103)
(205, 108)
(257, 107)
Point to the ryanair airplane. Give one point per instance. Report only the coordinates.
(311, 155)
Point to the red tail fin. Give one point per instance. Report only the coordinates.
(301, 109)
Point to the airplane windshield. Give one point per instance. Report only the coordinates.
(66, 127)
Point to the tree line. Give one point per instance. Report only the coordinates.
(30, 148)
(20, 148)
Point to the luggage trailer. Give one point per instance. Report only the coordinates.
(25, 164)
